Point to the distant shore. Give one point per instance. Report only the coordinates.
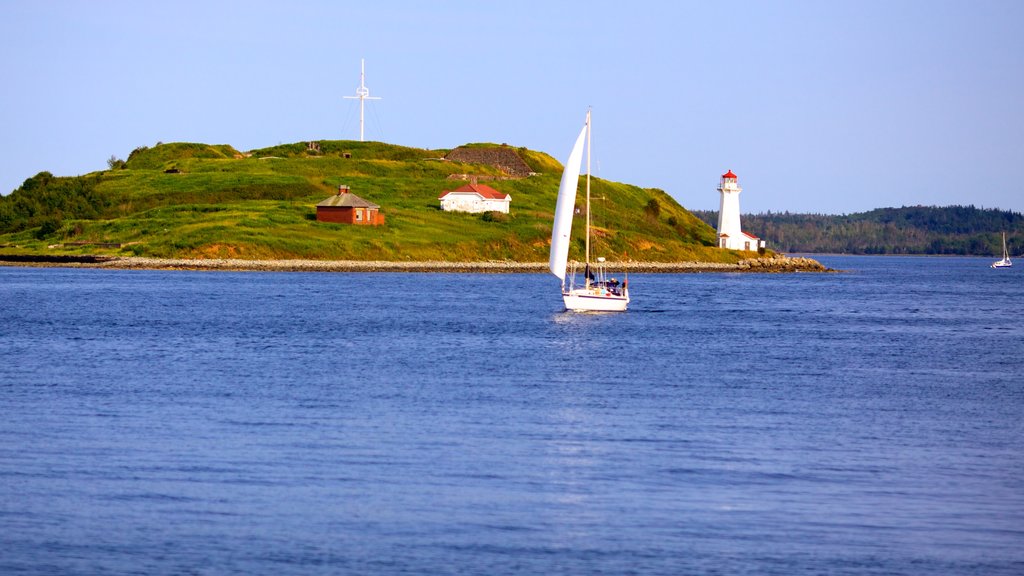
(777, 264)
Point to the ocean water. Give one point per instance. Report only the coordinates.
(864, 422)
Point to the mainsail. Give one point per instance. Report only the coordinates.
(564, 209)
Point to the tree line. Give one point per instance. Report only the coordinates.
(44, 201)
(954, 230)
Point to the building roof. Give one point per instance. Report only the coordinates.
(729, 174)
(347, 200)
(747, 234)
(483, 190)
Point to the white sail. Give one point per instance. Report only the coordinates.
(1005, 262)
(564, 208)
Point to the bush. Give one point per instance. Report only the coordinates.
(652, 209)
(493, 216)
(48, 227)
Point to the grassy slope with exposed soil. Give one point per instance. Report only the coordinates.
(184, 200)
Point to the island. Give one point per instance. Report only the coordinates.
(201, 206)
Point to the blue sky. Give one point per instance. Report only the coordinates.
(829, 107)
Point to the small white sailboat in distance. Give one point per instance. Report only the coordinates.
(1005, 262)
(598, 293)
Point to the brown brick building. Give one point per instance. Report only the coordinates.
(347, 208)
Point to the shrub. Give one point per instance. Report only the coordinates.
(48, 227)
(652, 209)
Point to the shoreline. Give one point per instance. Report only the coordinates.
(781, 264)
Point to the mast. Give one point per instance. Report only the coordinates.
(362, 94)
(587, 269)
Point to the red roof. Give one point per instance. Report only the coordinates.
(481, 189)
(729, 174)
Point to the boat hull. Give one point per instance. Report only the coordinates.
(591, 300)
(1002, 264)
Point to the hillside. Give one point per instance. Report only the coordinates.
(961, 230)
(186, 200)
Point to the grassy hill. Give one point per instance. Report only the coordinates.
(212, 201)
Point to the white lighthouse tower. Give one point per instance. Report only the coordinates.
(730, 234)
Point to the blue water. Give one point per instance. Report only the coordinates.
(159, 422)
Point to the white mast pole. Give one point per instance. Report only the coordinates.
(362, 94)
(588, 201)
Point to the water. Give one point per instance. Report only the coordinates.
(868, 422)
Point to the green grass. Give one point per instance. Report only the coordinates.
(161, 155)
(221, 203)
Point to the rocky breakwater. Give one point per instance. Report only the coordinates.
(772, 264)
(783, 264)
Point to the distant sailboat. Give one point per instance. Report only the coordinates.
(598, 293)
(1005, 262)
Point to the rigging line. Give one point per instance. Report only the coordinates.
(348, 120)
(380, 127)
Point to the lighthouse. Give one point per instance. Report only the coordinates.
(730, 235)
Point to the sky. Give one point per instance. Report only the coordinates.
(823, 107)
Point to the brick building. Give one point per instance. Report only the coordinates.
(347, 208)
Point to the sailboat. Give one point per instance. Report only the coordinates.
(598, 293)
(1005, 262)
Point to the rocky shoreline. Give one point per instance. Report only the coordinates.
(778, 264)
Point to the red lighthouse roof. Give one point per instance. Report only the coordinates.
(729, 174)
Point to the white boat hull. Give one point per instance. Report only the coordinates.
(1003, 264)
(594, 300)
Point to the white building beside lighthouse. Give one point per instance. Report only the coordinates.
(730, 235)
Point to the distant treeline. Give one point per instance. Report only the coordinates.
(43, 201)
(963, 230)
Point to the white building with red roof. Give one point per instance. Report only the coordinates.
(474, 198)
(730, 235)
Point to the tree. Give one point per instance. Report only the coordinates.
(115, 163)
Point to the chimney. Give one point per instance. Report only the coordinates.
(342, 189)
(472, 180)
